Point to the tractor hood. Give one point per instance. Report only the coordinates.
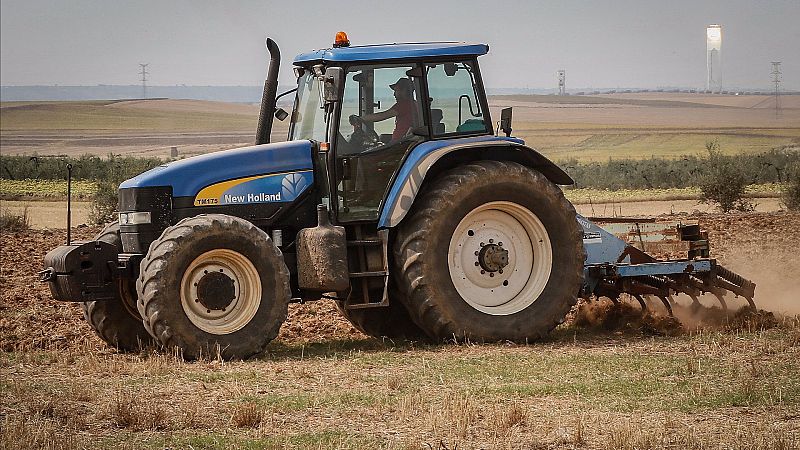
(189, 176)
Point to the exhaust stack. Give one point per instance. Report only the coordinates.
(267, 113)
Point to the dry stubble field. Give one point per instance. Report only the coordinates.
(606, 379)
(585, 127)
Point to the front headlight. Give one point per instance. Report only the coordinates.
(134, 218)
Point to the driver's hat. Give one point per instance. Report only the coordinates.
(402, 84)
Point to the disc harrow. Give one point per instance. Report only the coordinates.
(620, 261)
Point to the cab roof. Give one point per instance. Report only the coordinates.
(383, 52)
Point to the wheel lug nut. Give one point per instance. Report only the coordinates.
(197, 300)
(491, 240)
(477, 253)
(501, 270)
(482, 244)
(477, 263)
(483, 272)
(491, 274)
(500, 244)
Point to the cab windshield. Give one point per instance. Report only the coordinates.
(308, 117)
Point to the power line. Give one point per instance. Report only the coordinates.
(144, 73)
(776, 78)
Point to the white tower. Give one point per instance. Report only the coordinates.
(714, 58)
(562, 87)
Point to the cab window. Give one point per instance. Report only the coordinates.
(455, 107)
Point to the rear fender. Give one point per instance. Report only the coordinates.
(433, 157)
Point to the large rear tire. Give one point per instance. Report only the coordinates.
(117, 322)
(214, 284)
(490, 251)
(392, 322)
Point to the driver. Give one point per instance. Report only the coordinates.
(403, 110)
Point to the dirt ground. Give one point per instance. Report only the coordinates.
(608, 378)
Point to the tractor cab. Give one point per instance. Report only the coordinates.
(373, 104)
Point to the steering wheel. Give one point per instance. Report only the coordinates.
(370, 136)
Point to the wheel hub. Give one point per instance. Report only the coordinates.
(499, 258)
(221, 291)
(216, 290)
(493, 257)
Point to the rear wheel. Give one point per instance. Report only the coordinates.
(391, 322)
(214, 283)
(117, 322)
(491, 251)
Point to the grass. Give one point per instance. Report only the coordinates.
(13, 222)
(692, 389)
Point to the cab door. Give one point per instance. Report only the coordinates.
(381, 119)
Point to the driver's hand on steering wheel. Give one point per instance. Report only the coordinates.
(355, 120)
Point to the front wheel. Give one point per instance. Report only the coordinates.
(116, 321)
(214, 284)
(491, 251)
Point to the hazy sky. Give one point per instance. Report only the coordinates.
(602, 43)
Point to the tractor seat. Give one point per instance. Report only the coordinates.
(436, 121)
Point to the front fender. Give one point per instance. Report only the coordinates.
(425, 156)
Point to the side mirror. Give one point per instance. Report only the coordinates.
(281, 114)
(332, 81)
(450, 69)
(505, 121)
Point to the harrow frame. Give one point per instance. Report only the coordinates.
(615, 266)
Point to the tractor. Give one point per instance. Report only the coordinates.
(395, 196)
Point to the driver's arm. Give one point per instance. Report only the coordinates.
(383, 115)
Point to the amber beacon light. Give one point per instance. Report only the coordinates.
(341, 40)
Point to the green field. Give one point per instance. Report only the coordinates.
(45, 189)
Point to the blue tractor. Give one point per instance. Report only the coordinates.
(394, 196)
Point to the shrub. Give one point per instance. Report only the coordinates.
(791, 191)
(14, 222)
(104, 203)
(690, 170)
(723, 182)
(84, 167)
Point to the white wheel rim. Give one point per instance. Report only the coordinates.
(530, 258)
(246, 286)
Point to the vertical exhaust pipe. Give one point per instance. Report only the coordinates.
(267, 113)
